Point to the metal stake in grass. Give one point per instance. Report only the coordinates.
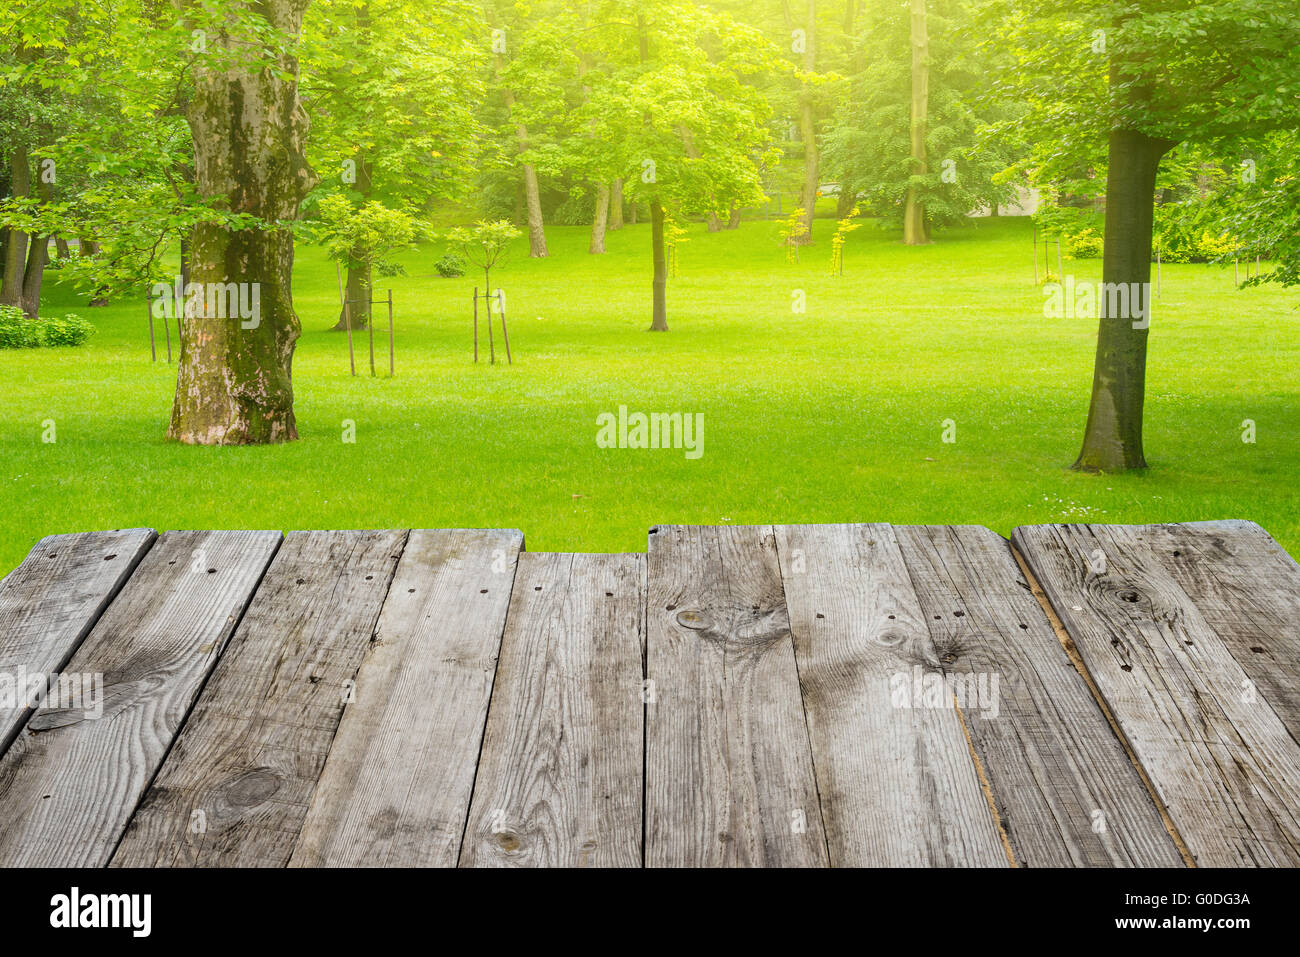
(391, 360)
(476, 323)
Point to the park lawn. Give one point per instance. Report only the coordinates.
(833, 415)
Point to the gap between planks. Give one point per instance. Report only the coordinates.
(1073, 653)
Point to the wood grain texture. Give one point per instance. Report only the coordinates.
(559, 779)
(396, 786)
(71, 780)
(1248, 590)
(729, 775)
(897, 782)
(236, 785)
(48, 605)
(1065, 789)
(1219, 757)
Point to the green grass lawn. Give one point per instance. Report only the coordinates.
(834, 415)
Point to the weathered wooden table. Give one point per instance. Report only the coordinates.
(789, 695)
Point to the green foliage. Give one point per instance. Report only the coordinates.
(868, 146)
(19, 331)
(450, 266)
(485, 242)
(365, 236)
(1085, 244)
(793, 228)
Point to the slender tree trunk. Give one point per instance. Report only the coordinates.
(916, 231)
(38, 255)
(358, 267)
(234, 382)
(536, 228)
(808, 131)
(1112, 440)
(660, 283)
(11, 292)
(616, 205)
(599, 220)
(632, 214)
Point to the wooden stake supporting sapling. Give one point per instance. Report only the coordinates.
(484, 244)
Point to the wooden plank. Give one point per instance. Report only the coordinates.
(235, 788)
(1065, 789)
(1248, 589)
(898, 785)
(1219, 758)
(72, 778)
(48, 605)
(396, 786)
(559, 779)
(729, 775)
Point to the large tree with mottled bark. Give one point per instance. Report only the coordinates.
(234, 385)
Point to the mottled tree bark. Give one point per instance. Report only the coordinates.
(1113, 437)
(916, 231)
(599, 220)
(616, 205)
(234, 381)
(659, 285)
(11, 292)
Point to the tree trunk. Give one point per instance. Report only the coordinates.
(358, 281)
(536, 228)
(234, 382)
(38, 255)
(916, 231)
(90, 248)
(632, 214)
(660, 283)
(808, 130)
(599, 220)
(11, 292)
(61, 248)
(616, 205)
(1112, 440)
(733, 221)
(847, 199)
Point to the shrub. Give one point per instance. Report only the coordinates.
(1085, 244)
(71, 330)
(450, 266)
(18, 331)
